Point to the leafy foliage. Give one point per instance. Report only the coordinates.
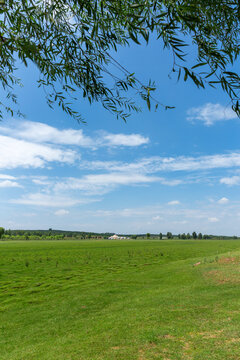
(194, 235)
(2, 230)
(72, 43)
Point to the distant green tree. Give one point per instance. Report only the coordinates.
(183, 236)
(148, 235)
(133, 237)
(169, 235)
(200, 236)
(8, 232)
(194, 235)
(188, 236)
(160, 236)
(179, 236)
(2, 230)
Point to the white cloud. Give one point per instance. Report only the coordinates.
(234, 180)
(42, 133)
(99, 184)
(141, 165)
(197, 163)
(156, 164)
(61, 212)
(103, 183)
(40, 199)
(19, 153)
(9, 184)
(174, 202)
(211, 113)
(170, 182)
(157, 217)
(213, 219)
(7, 177)
(29, 214)
(41, 181)
(223, 200)
(125, 140)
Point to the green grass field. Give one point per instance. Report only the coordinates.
(107, 300)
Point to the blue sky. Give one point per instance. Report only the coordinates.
(175, 170)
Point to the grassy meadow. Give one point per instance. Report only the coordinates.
(117, 300)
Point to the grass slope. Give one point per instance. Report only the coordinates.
(117, 300)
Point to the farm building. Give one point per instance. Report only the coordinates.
(116, 237)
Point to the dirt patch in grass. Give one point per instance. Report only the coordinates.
(215, 334)
(225, 270)
(222, 277)
(169, 336)
(228, 260)
(116, 348)
(233, 341)
(144, 351)
(210, 334)
(187, 349)
(217, 275)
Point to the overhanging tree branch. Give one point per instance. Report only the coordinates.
(72, 43)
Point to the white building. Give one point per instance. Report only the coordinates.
(116, 237)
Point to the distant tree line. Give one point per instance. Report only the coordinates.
(194, 236)
(170, 235)
(52, 234)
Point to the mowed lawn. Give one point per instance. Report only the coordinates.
(124, 300)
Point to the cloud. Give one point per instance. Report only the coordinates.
(174, 202)
(157, 217)
(138, 166)
(167, 164)
(40, 199)
(42, 133)
(61, 212)
(9, 184)
(213, 219)
(20, 153)
(170, 182)
(223, 200)
(99, 184)
(125, 140)
(210, 114)
(103, 183)
(41, 180)
(197, 163)
(234, 180)
(7, 177)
